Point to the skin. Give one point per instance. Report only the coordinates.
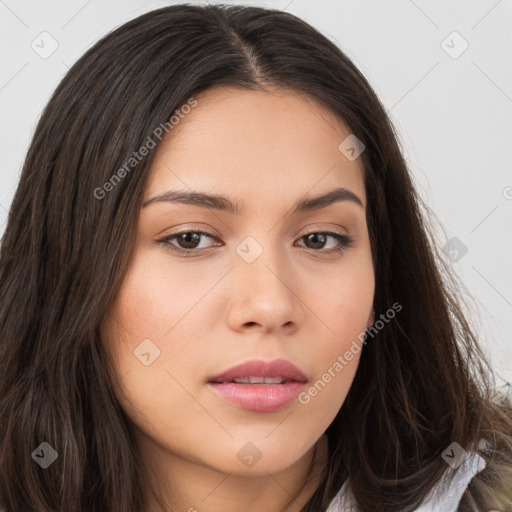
(211, 311)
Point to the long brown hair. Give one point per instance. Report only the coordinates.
(422, 383)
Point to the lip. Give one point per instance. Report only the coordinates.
(260, 397)
(260, 368)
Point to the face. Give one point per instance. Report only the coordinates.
(271, 281)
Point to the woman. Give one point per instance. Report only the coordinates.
(312, 356)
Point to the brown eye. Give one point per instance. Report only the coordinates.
(318, 239)
(186, 241)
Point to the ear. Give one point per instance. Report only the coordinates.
(371, 319)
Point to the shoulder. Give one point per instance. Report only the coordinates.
(446, 495)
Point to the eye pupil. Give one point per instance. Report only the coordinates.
(314, 237)
(185, 237)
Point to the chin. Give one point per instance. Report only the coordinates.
(258, 457)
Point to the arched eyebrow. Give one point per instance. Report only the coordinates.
(225, 204)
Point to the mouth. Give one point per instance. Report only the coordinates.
(256, 380)
(260, 386)
(257, 371)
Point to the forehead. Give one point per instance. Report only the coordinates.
(281, 143)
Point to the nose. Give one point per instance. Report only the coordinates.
(265, 294)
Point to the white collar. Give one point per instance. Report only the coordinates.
(444, 497)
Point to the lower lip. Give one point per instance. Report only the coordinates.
(259, 397)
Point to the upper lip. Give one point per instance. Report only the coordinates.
(260, 368)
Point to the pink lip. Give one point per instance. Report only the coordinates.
(260, 397)
(260, 368)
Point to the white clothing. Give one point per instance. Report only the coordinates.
(445, 497)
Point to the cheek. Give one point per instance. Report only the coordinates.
(343, 303)
(154, 299)
(336, 360)
(150, 335)
(342, 299)
(150, 358)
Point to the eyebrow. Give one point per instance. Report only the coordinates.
(221, 203)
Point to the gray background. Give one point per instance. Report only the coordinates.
(451, 108)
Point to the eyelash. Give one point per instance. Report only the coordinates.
(344, 242)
